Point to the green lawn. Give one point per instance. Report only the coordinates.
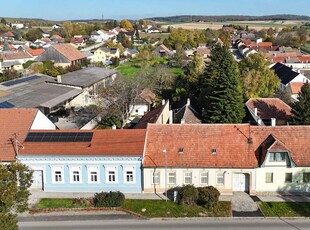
(127, 70)
(56, 203)
(285, 209)
(153, 208)
(160, 208)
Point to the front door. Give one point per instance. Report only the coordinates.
(37, 179)
(240, 182)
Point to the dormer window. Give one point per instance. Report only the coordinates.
(277, 156)
(213, 150)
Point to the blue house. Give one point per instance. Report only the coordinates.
(85, 161)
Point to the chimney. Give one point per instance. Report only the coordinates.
(113, 126)
(170, 117)
(182, 121)
(255, 111)
(188, 102)
(163, 102)
(59, 78)
(273, 122)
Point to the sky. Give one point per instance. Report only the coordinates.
(137, 9)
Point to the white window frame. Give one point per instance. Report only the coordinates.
(72, 170)
(90, 170)
(267, 179)
(156, 178)
(220, 176)
(188, 175)
(129, 169)
(109, 169)
(204, 175)
(277, 156)
(172, 175)
(60, 169)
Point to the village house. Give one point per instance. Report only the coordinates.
(267, 111)
(230, 157)
(78, 41)
(63, 55)
(287, 75)
(85, 161)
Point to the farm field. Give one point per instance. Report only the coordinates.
(258, 25)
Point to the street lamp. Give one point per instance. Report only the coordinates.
(165, 153)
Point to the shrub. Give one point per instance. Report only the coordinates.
(111, 199)
(208, 196)
(188, 195)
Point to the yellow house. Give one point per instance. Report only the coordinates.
(104, 54)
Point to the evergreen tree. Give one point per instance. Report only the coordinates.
(301, 108)
(3, 21)
(221, 94)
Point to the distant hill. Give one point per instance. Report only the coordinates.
(222, 18)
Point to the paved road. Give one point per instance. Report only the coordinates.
(197, 224)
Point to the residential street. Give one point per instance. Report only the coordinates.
(266, 224)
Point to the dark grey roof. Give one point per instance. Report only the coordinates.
(37, 93)
(132, 51)
(85, 77)
(94, 33)
(285, 73)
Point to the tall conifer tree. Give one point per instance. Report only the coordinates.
(221, 94)
(301, 108)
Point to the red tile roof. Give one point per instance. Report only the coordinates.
(69, 51)
(13, 55)
(13, 121)
(35, 52)
(77, 40)
(7, 34)
(104, 142)
(268, 108)
(197, 141)
(296, 87)
(234, 148)
(296, 139)
(261, 44)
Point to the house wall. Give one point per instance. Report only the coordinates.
(300, 78)
(99, 56)
(41, 122)
(138, 110)
(47, 164)
(279, 184)
(164, 116)
(225, 188)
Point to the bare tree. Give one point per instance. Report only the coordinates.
(117, 100)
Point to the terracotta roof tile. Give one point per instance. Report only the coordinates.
(69, 51)
(296, 139)
(197, 141)
(35, 52)
(13, 55)
(268, 108)
(104, 142)
(296, 87)
(13, 121)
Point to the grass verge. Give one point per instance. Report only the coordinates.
(147, 208)
(57, 203)
(285, 209)
(159, 208)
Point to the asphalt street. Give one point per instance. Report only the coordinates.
(177, 224)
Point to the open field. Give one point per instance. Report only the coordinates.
(258, 25)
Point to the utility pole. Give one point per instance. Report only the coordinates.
(165, 153)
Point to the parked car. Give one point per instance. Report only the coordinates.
(77, 108)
